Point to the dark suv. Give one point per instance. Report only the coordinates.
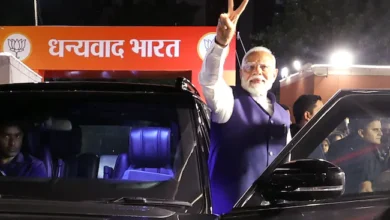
(134, 151)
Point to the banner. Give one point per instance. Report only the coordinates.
(111, 48)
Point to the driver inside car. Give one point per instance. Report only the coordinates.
(360, 155)
(13, 162)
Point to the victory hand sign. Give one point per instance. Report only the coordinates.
(228, 21)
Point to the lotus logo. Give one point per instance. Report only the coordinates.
(205, 43)
(18, 45)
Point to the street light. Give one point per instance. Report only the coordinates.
(297, 65)
(284, 72)
(341, 58)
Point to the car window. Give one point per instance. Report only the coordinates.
(357, 140)
(147, 141)
(360, 151)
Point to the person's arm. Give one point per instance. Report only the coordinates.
(368, 173)
(366, 186)
(218, 94)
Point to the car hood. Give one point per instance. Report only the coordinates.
(45, 209)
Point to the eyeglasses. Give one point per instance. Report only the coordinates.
(250, 67)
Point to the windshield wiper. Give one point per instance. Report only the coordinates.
(147, 201)
(121, 200)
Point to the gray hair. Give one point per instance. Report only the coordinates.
(258, 49)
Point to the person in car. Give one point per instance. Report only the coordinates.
(335, 136)
(340, 132)
(13, 162)
(360, 155)
(304, 108)
(325, 145)
(249, 128)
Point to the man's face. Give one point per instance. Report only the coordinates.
(11, 138)
(325, 146)
(258, 73)
(309, 115)
(372, 133)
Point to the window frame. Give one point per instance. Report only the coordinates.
(203, 131)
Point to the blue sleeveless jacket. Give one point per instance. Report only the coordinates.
(243, 147)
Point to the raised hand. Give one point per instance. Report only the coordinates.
(228, 21)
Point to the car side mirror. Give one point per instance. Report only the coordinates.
(303, 180)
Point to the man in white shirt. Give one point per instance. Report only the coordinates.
(249, 128)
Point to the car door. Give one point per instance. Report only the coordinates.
(363, 208)
(361, 108)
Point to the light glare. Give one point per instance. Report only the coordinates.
(297, 65)
(284, 72)
(341, 59)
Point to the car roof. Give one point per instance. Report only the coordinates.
(346, 92)
(101, 86)
(182, 87)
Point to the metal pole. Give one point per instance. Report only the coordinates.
(36, 12)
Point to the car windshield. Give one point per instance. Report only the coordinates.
(91, 145)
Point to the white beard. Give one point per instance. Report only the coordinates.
(257, 89)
